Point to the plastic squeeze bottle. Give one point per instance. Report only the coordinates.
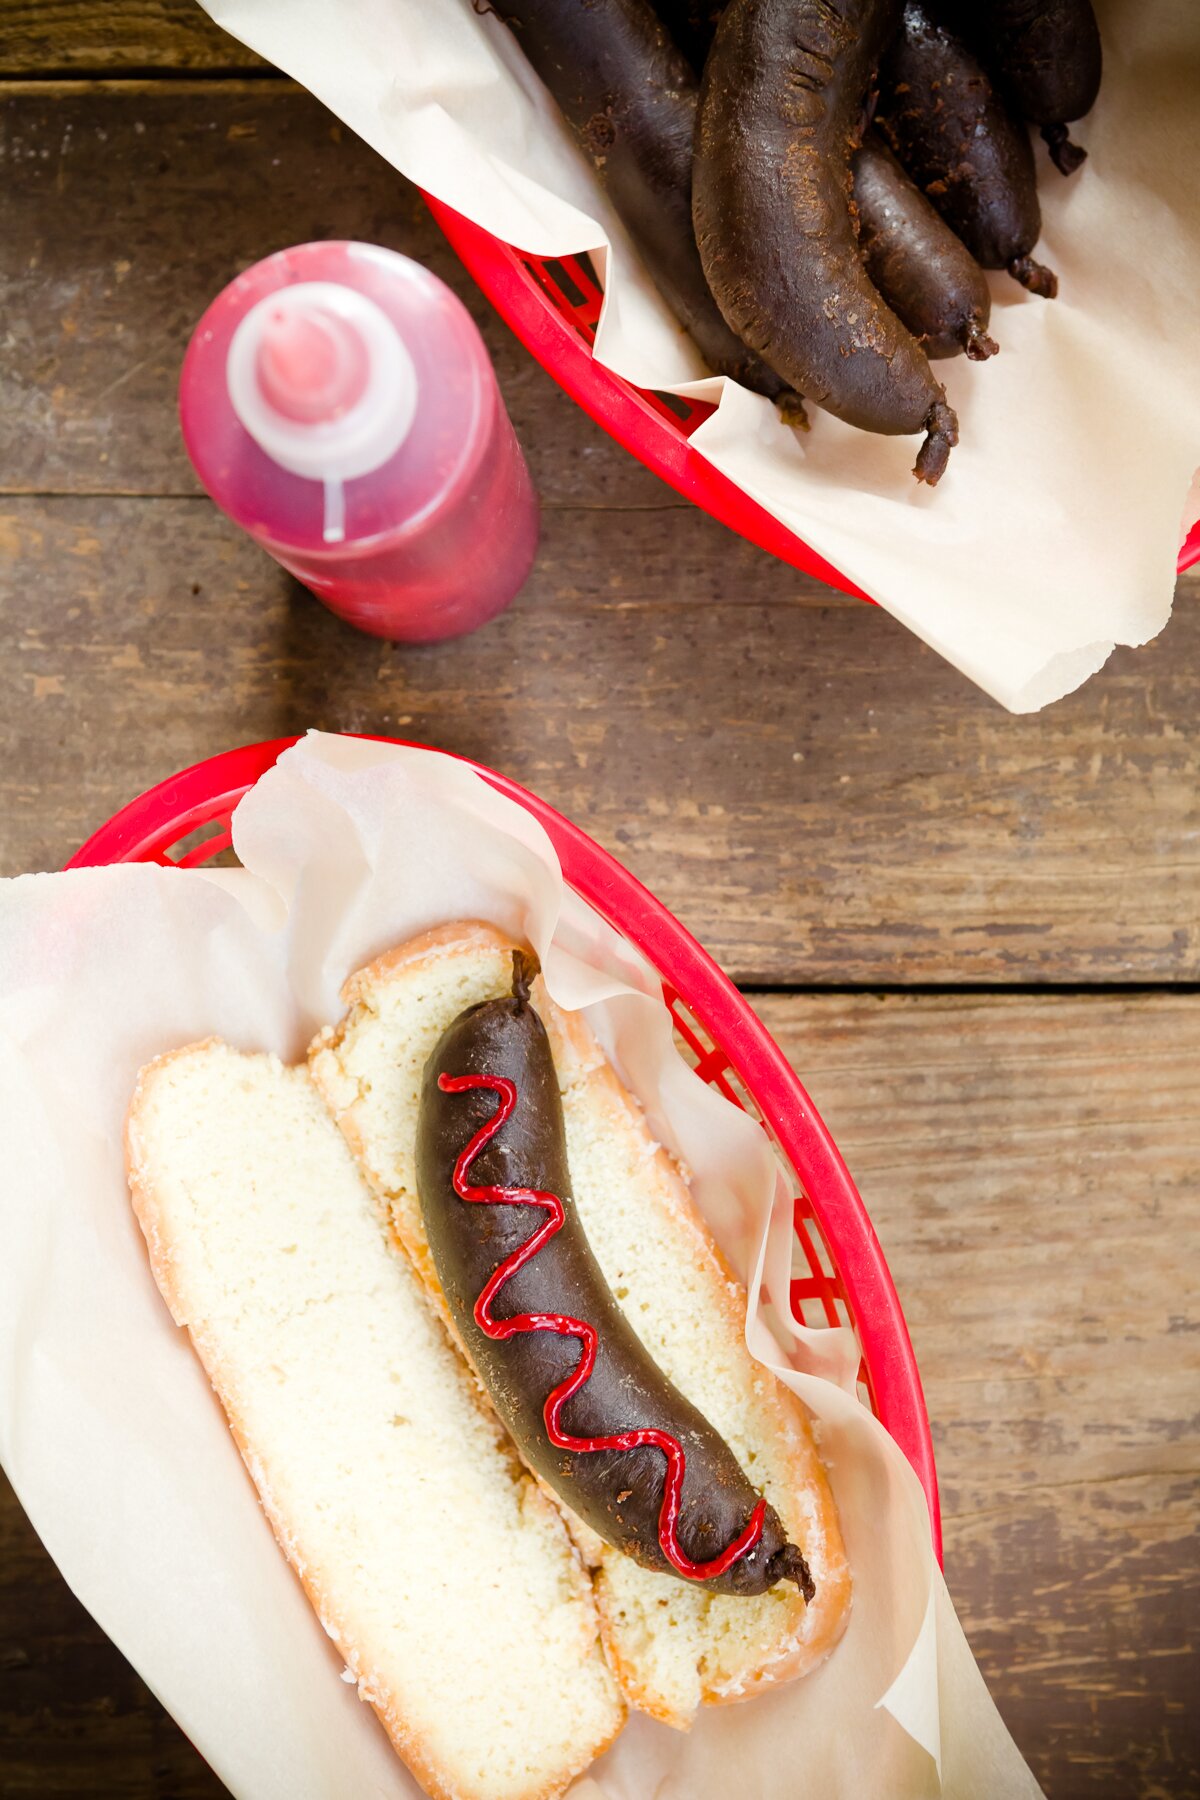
(338, 403)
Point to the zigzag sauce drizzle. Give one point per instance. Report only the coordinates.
(564, 1326)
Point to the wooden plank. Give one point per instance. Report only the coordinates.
(816, 795)
(126, 207)
(53, 37)
(1032, 1166)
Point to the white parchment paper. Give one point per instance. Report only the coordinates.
(1054, 535)
(108, 1429)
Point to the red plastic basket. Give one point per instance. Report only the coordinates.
(840, 1275)
(553, 306)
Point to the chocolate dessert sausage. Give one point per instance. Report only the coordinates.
(940, 115)
(629, 99)
(590, 1411)
(781, 109)
(1045, 56)
(927, 275)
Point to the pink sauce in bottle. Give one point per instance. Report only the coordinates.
(337, 402)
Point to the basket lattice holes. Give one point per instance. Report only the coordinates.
(571, 285)
(818, 1296)
(210, 842)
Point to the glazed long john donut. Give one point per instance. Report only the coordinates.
(589, 1409)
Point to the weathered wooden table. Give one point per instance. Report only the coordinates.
(976, 936)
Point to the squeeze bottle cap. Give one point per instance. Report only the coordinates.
(322, 381)
(311, 365)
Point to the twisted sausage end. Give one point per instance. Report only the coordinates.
(789, 1564)
(1035, 276)
(526, 969)
(976, 342)
(1065, 155)
(941, 426)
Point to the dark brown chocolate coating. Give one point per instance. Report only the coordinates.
(619, 1494)
(629, 98)
(1045, 57)
(951, 132)
(925, 273)
(781, 109)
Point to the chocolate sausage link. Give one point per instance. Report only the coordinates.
(1045, 56)
(925, 273)
(781, 107)
(618, 1492)
(953, 135)
(629, 98)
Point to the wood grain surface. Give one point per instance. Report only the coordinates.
(858, 835)
(1032, 1166)
(820, 799)
(816, 793)
(40, 38)
(126, 207)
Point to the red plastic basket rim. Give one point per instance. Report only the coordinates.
(499, 270)
(144, 829)
(615, 403)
